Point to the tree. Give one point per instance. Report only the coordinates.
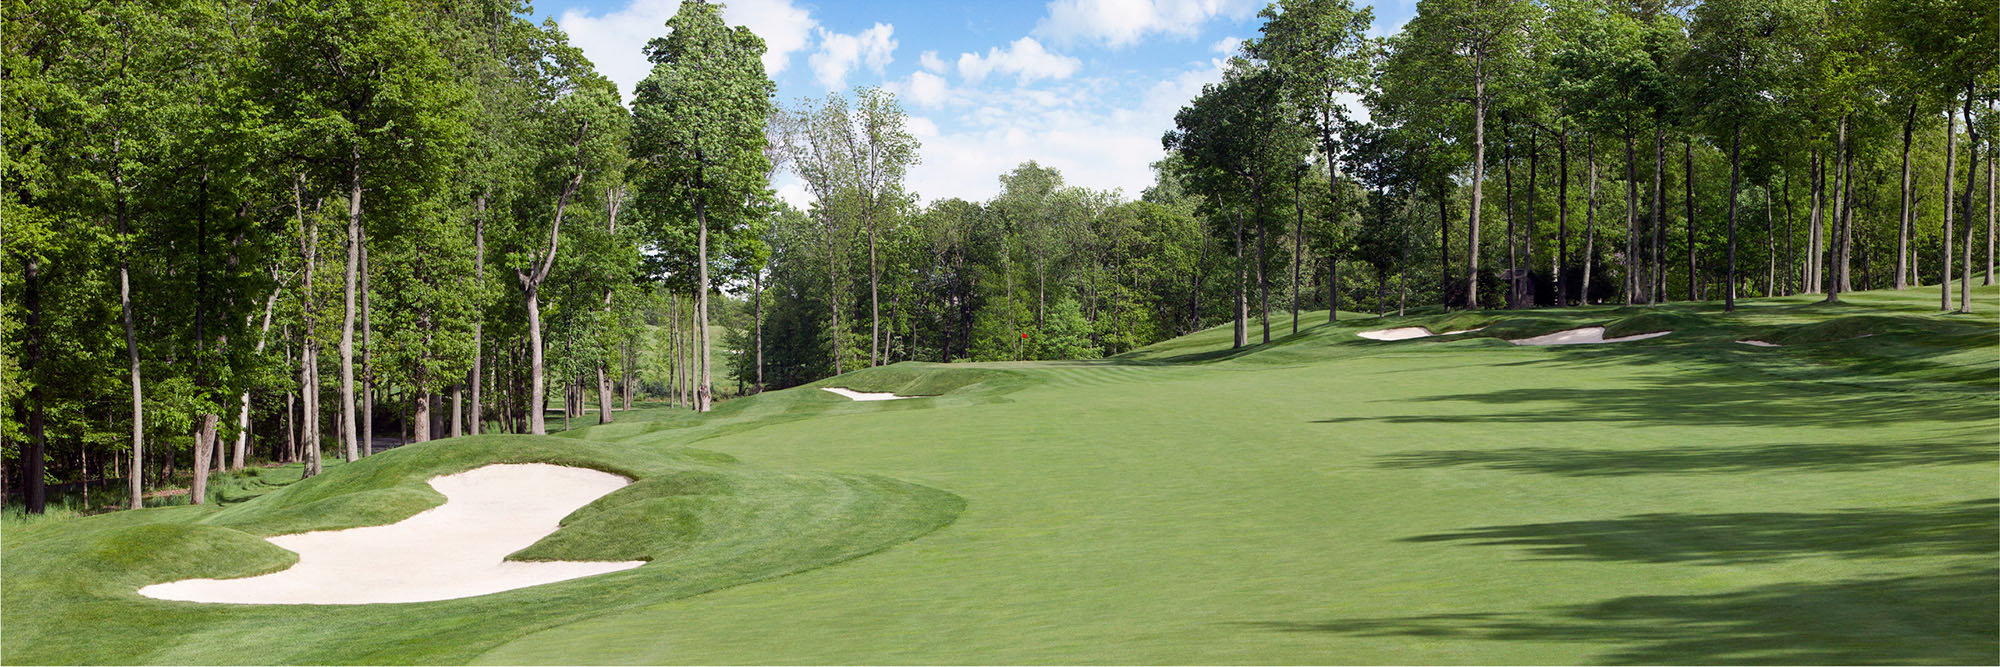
(882, 152)
(577, 134)
(1321, 51)
(1736, 49)
(698, 132)
(1452, 50)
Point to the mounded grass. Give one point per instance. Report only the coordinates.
(1322, 498)
(701, 520)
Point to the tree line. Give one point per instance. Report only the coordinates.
(440, 216)
(239, 231)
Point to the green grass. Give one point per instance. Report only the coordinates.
(1320, 499)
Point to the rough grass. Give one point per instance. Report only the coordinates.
(1321, 498)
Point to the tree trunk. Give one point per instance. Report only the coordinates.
(1950, 175)
(704, 390)
(874, 304)
(1478, 179)
(33, 491)
(757, 318)
(348, 431)
(1737, 138)
(1507, 196)
(243, 411)
(1298, 250)
(204, 447)
(1242, 330)
(1589, 221)
(1656, 279)
(1631, 219)
(603, 395)
(420, 427)
(135, 481)
(1687, 165)
(537, 391)
(1791, 249)
(478, 321)
(1971, 170)
(1770, 246)
(1444, 247)
(1991, 211)
(1840, 175)
(1523, 299)
(1263, 286)
(1815, 223)
(367, 352)
(1562, 221)
(1903, 229)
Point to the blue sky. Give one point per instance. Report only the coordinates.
(1085, 86)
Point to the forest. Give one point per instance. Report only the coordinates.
(237, 232)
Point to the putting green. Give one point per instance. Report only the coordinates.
(1322, 499)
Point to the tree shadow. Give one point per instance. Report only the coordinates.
(1946, 618)
(1953, 529)
(1683, 400)
(1823, 457)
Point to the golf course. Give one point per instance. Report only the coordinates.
(1826, 498)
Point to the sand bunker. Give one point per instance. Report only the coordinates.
(865, 395)
(1584, 336)
(454, 550)
(1406, 333)
(1758, 343)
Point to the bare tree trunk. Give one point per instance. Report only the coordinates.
(1656, 282)
(1507, 196)
(457, 409)
(1562, 222)
(757, 317)
(135, 480)
(1589, 222)
(347, 416)
(1242, 331)
(1950, 175)
(1687, 164)
(1815, 223)
(1971, 171)
(1524, 300)
(1770, 246)
(478, 320)
(603, 395)
(1903, 229)
(1263, 286)
(704, 390)
(243, 411)
(204, 446)
(420, 428)
(367, 352)
(1298, 250)
(1478, 179)
(34, 455)
(1631, 219)
(1991, 211)
(1840, 175)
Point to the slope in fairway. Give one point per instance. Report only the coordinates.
(1321, 499)
(1327, 499)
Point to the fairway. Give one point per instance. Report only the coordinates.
(1321, 499)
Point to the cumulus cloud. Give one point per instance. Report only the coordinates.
(1119, 23)
(613, 41)
(932, 62)
(1072, 128)
(925, 89)
(1226, 46)
(840, 54)
(1025, 58)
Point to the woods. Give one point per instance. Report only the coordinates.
(442, 216)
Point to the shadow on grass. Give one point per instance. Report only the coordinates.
(1685, 400)
(1928, 619)
(1955, 529)
(1817, 457)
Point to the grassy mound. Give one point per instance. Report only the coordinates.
(702, 522)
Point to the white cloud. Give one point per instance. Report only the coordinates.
(613, 41)
(926, 89)
(1119, 23)
(932, 62)
(1072, 128)
(1226, 46)
(1025, 58)
(839, 54)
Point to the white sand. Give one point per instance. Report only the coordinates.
(865, 395)
(1406, 333)
(1758, 343)
(1584, 336)
(454, 550)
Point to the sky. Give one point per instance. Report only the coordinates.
(1084, 86)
